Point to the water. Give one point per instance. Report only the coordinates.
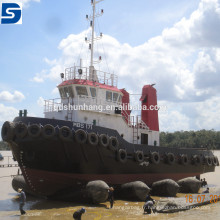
(41, 209)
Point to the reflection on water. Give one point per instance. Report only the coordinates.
(42, 209)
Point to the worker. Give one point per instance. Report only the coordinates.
(149, 205)
(206, 191)
(111, 196)
(22, 201)
(78, 214)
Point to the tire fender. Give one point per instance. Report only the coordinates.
(122, 155)
(65, 133)
(48, 131)
(81, 136)
(104, 140)
(21, 130)
(93, 139)
(34, 130)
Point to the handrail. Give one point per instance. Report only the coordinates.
(85, 73)
(130, 120)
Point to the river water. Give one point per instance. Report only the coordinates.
(42, 209)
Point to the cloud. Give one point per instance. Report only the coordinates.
(6, 96)
(55, 91)
(25, 3)
(7, 113)
(40, 101)
(37, 79)
(199, 30)
(184, 62)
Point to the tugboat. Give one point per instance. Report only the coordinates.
(89, 134)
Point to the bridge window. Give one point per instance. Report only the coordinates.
(115, 97)
(81, 90)
(68, 92)
(93, 92)
(62, 93)
(108, 96)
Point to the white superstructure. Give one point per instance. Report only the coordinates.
(92, 97)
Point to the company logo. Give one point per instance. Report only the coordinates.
(11, 13)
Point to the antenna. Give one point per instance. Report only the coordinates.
(91, 18)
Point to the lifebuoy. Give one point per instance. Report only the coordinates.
(34, 130)
(93, 139)
(155, 157)
(184, 159)
(196, 160)
(65, 133)
(215, 161)
(208, 160)
(139, 156)
(113, 143)
(81, 136)
(21, 130)
(104, 140)
(122, 155)
(170, 158)
(48, 131)
(7, 131)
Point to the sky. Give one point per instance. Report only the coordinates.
(175, 44)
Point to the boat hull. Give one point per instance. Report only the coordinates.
(51, 165)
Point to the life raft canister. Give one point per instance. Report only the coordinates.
(34, 130)
(93, 139)
(21, 130)
(81, 136)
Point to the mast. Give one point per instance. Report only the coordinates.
(93, 27)
(92, 40)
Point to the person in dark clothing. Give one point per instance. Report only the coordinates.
(148, 198)
(206, 191)
(78, 214)
(111, 196)
(22, 201)
(204, 183)
(148, 206)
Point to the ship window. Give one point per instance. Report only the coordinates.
(119, 98)
(81, 90)
(68, 91)
(62, 93)
(93, 92)
(108, 96)
(115, 97)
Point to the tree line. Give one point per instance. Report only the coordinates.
(191, 139)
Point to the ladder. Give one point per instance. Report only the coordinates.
(135, 129)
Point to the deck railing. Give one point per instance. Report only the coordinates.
(85, 73)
